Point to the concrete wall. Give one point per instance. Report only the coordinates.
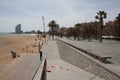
(79, 59)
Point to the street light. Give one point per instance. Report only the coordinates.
(100, 16)
(43, 25)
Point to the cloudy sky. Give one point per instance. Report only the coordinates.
(66, 13)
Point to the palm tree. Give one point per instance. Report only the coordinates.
(52, 25)
(100, 16)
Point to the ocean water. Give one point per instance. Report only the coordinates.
(11, 34)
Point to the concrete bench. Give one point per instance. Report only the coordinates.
(102, 58)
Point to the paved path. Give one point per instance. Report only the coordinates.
(107, 48)
(23, 68)
(60, 70)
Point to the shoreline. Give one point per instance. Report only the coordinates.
(15, 34)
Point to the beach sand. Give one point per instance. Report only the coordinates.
(18, 44)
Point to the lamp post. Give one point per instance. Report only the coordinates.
(100, 16)
(43, 25)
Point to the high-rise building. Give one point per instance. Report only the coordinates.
(18, 29)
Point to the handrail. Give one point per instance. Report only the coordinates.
(41, 73)
(44, 71)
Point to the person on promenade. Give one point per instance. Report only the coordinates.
(41, 55)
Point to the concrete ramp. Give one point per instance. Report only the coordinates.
(86, 62)
(57, 69)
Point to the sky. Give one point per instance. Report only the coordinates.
(66, 13)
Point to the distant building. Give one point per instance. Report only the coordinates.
(18, 29)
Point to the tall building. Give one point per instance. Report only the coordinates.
(18, 29)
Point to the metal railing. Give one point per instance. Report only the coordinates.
(44, 71)
(41, 73)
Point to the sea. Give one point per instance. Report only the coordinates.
(13, 34)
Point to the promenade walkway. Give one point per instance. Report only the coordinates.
(22, 68)
(108, 48)
(57, 69)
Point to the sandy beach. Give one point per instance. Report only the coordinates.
(19, 44)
